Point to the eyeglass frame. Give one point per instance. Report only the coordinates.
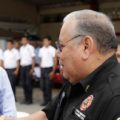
(60, 47)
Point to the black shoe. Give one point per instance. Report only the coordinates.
(23, 102)
(29, 102)
(15, 100)
(44, 104)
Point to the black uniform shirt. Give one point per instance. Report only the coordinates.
(97, 97)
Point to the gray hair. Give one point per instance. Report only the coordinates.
(97, 25)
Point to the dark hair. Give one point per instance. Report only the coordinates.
(47, 37)
(27, 37)
(11, 41)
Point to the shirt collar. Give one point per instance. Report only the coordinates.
(10, 49)
(109, 63)
(47, 47)
(26, 45)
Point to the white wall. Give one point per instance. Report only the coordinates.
(3, 43)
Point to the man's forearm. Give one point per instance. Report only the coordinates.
(33, 63)
(18, 66)
(1, 63)
(35, 116)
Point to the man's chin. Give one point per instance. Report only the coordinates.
(72, 82)
(65, 76)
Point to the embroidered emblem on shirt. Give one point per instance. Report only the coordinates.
(86, 103)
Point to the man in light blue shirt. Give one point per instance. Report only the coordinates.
(7, 101)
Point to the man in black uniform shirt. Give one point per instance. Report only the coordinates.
(87, 45)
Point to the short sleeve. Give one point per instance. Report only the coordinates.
(32, 51)
(50, 108)
(112, 112)
(1, 55)
(39, 53)
(17, 55)
(53, 51)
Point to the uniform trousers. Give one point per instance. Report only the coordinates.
(12, 79)
(26, 78)
(46, 84)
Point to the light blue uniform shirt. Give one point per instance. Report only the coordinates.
(37, 59)
(7, 101)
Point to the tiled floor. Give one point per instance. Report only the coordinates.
(37, 99)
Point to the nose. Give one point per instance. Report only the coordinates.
(59, 56)
(58, 53)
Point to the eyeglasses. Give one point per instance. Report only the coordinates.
(60, 46)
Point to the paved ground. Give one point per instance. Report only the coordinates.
(37, 99)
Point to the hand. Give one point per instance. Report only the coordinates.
(6, 118)
(31, 71)
(15, 72)
(35, 116)
(51, 75)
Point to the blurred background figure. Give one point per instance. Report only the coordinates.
(56, 74)
(11, 63)
(17, 45)
(37, 70)
(27, 62)
(118, 52)
(47, 55)
(1, 57)
(37, 48)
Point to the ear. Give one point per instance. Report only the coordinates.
(88, 45)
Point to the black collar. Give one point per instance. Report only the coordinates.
(108, 64)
